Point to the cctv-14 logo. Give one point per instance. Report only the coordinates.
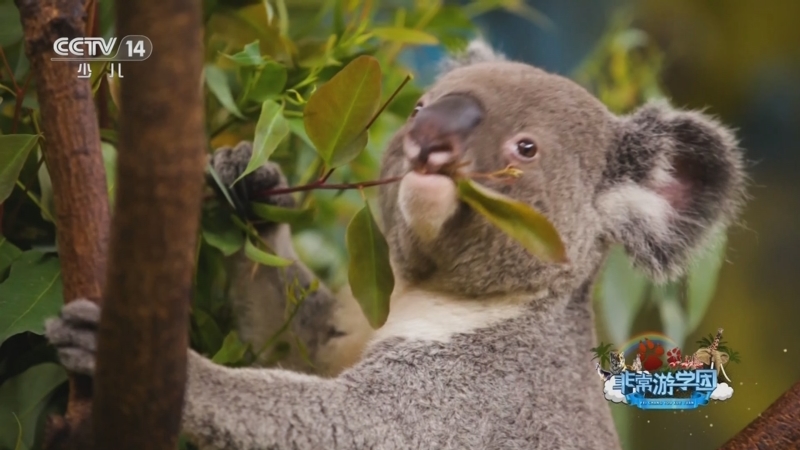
(648, 383)
(104, 53)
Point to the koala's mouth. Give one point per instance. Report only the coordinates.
(449, 170)
(439, 156)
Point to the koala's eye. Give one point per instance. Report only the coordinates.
(526, 148)
(416, 109)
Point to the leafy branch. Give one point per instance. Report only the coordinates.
(18, 92)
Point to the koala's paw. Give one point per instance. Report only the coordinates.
(74, 334)
(229, 163)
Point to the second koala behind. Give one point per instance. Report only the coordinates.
(480, 330)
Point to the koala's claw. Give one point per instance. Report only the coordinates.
(74, 334)
(229, 163)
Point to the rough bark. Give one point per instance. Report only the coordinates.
(776, 428)
(143, 335)
(74, 161)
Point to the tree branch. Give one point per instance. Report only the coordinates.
(777, 427)
(143, 336)
(76, 168)
(320, 184)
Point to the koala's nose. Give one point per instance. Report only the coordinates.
(438, 131)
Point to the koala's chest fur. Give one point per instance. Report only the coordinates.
(510, 375)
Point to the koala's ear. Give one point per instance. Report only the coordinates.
(477, 51)
(673, 180)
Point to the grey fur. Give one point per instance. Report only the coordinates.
(523, 382)
(73, 333)
(258, 293)
(708, 191)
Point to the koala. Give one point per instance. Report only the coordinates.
(481, 336)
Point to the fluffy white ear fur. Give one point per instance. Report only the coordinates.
(477, 51)
(673, 180)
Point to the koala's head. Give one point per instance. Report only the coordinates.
(661, 182)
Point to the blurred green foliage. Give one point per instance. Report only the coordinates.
(266, 63)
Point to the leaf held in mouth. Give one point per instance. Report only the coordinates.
(517, 219)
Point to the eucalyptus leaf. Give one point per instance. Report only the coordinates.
(14, 150)
(110, 163)
(232, 351)
(250, 56)
(702, 282)
(337, 114)
(262, 257)
(217, 83)
(369, 271)
(30, 294)
(405, 35)
(298, 129)
(279, 214)
(8, 254)
(25, 396)
(208, 330)
(220, 185)
(268, 82)
(271, 129)
(673, 319)
(221, 233)
(621, 289)
(517, 219)
(10, 24)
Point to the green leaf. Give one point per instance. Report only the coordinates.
(250, 56)
(10, 24)
(262, 257)
(217, 82)
(279, 214)
(26, 396)
(220, 185)
(271, 129)
(369, 271)
(667, 297)
(232, 351)
(702, 282)
(8, 254)
(18, 445)
(337, 114)
(297, 128)
(268, 82)
(30, 294)
(405, 35)
(110, 163)
(517, 219)
(621, 290)
(110, 136)
(208, 330)
(14, 150)
(221, 233)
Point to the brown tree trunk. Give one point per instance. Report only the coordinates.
(776, 428)
(75, 164)
(143, 336)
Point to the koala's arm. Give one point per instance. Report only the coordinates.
(249, 408)
(253, 408)
(331, 327)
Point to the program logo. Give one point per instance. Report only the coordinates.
(96, 49)
(649, 383)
